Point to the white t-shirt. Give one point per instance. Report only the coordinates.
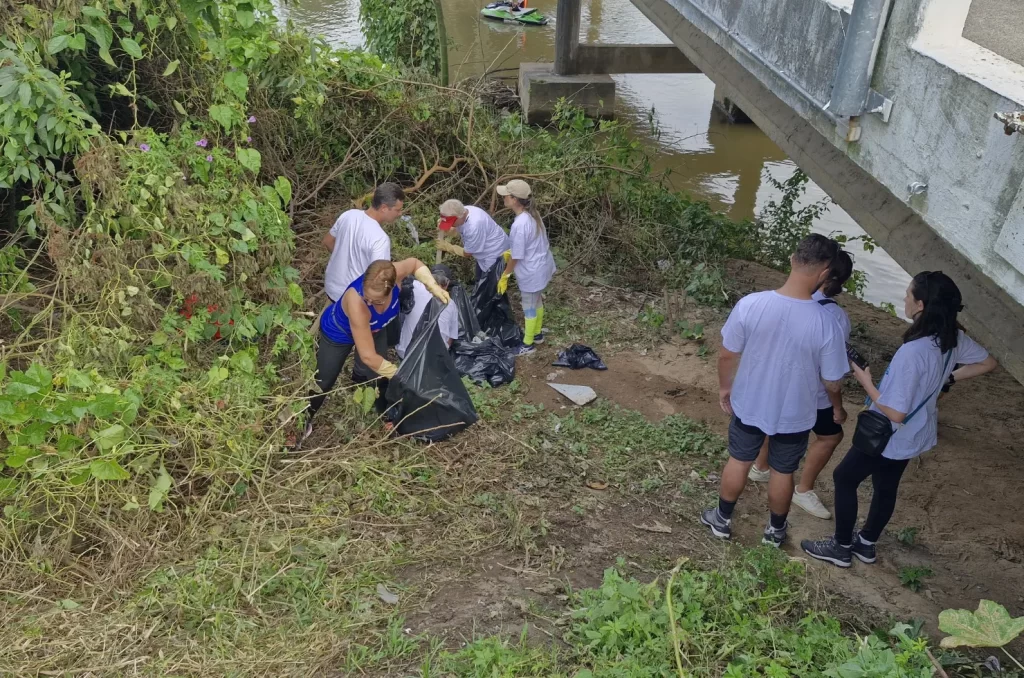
(843, 323)
(448, 321)
(482, 237)
(787, 346)
(530, 249)
(358, 242)
(914, 374)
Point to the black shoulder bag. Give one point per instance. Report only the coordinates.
(874, 429)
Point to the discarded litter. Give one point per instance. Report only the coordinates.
(581, 395)
(484, 362)
(387, 596)
(578, 356)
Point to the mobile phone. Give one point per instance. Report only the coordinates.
(856, 357)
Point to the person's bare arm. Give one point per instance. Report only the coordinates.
(407, 267)
(328, 241)
(864, 377)
(359, 320)
(975, 370)
(728, 363)
(835, 396)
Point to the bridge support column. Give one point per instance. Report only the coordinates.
(728, 110)
(580, 73)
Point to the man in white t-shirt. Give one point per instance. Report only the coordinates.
(777, 346)
(356, 240)
(482, 237)
(447, 321)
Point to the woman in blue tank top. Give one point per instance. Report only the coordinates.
(365, 308)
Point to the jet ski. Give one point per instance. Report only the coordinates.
(502, 11)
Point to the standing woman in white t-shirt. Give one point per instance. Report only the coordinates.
(932, 347)
(482, 238)
(531, 261)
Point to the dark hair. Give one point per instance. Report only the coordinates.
(380, 276)
(942, 301)
(443, 275)
(838, 274)
(387, 194)
(816, 249)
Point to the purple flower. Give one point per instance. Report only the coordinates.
(144, 148)
(248, 140)
(201, 143)
(252, 119)
(209, 158)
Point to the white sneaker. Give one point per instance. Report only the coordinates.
(759, 476)
(809, 502)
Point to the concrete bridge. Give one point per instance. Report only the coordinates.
(902, 111)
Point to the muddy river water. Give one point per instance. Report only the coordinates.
(721, 162)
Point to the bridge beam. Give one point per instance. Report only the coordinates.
(580, 71)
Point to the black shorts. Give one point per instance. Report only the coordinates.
(785, 450)
(825, 425)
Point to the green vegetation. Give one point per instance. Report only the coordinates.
(913, 577)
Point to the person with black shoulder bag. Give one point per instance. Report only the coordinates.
(900, 420)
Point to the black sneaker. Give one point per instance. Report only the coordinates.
(720, 527)
(828, 550)
(865, 552)
(525, 349)
(774, 536)
(538, 338)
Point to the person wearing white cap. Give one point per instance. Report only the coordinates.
(482, 238)
(531, 261)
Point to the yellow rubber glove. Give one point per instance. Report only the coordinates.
(424, 275)
(507, 256)
(387, 369)
(451, 248)
(503, 283)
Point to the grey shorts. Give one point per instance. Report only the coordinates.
(785, 450)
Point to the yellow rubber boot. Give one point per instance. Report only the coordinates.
(531, 331)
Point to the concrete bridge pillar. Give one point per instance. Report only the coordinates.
(580, 72)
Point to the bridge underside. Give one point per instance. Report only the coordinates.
(990, 313)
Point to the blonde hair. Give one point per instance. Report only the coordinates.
(380, 277)
(531, 209)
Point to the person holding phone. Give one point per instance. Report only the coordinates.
(828, 430)
(932, 347)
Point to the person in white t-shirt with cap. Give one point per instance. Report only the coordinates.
(356, 240)
(532, 261)
(777, 347)
(482, 238)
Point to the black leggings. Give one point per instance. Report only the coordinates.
(885, 477)
(330, 359)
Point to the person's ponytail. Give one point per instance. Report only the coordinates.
(531, 209)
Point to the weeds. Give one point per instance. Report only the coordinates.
(907, 536)
(913, 577)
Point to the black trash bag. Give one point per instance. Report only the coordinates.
(469, 326)
(426, 397)
(578, 356)
(486, 362)
(493, 310)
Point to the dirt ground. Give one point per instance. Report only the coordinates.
(961, 497)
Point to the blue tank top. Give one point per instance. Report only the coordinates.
(334, 322)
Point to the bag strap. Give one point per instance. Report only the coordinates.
(827, 300)
(916, 409)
